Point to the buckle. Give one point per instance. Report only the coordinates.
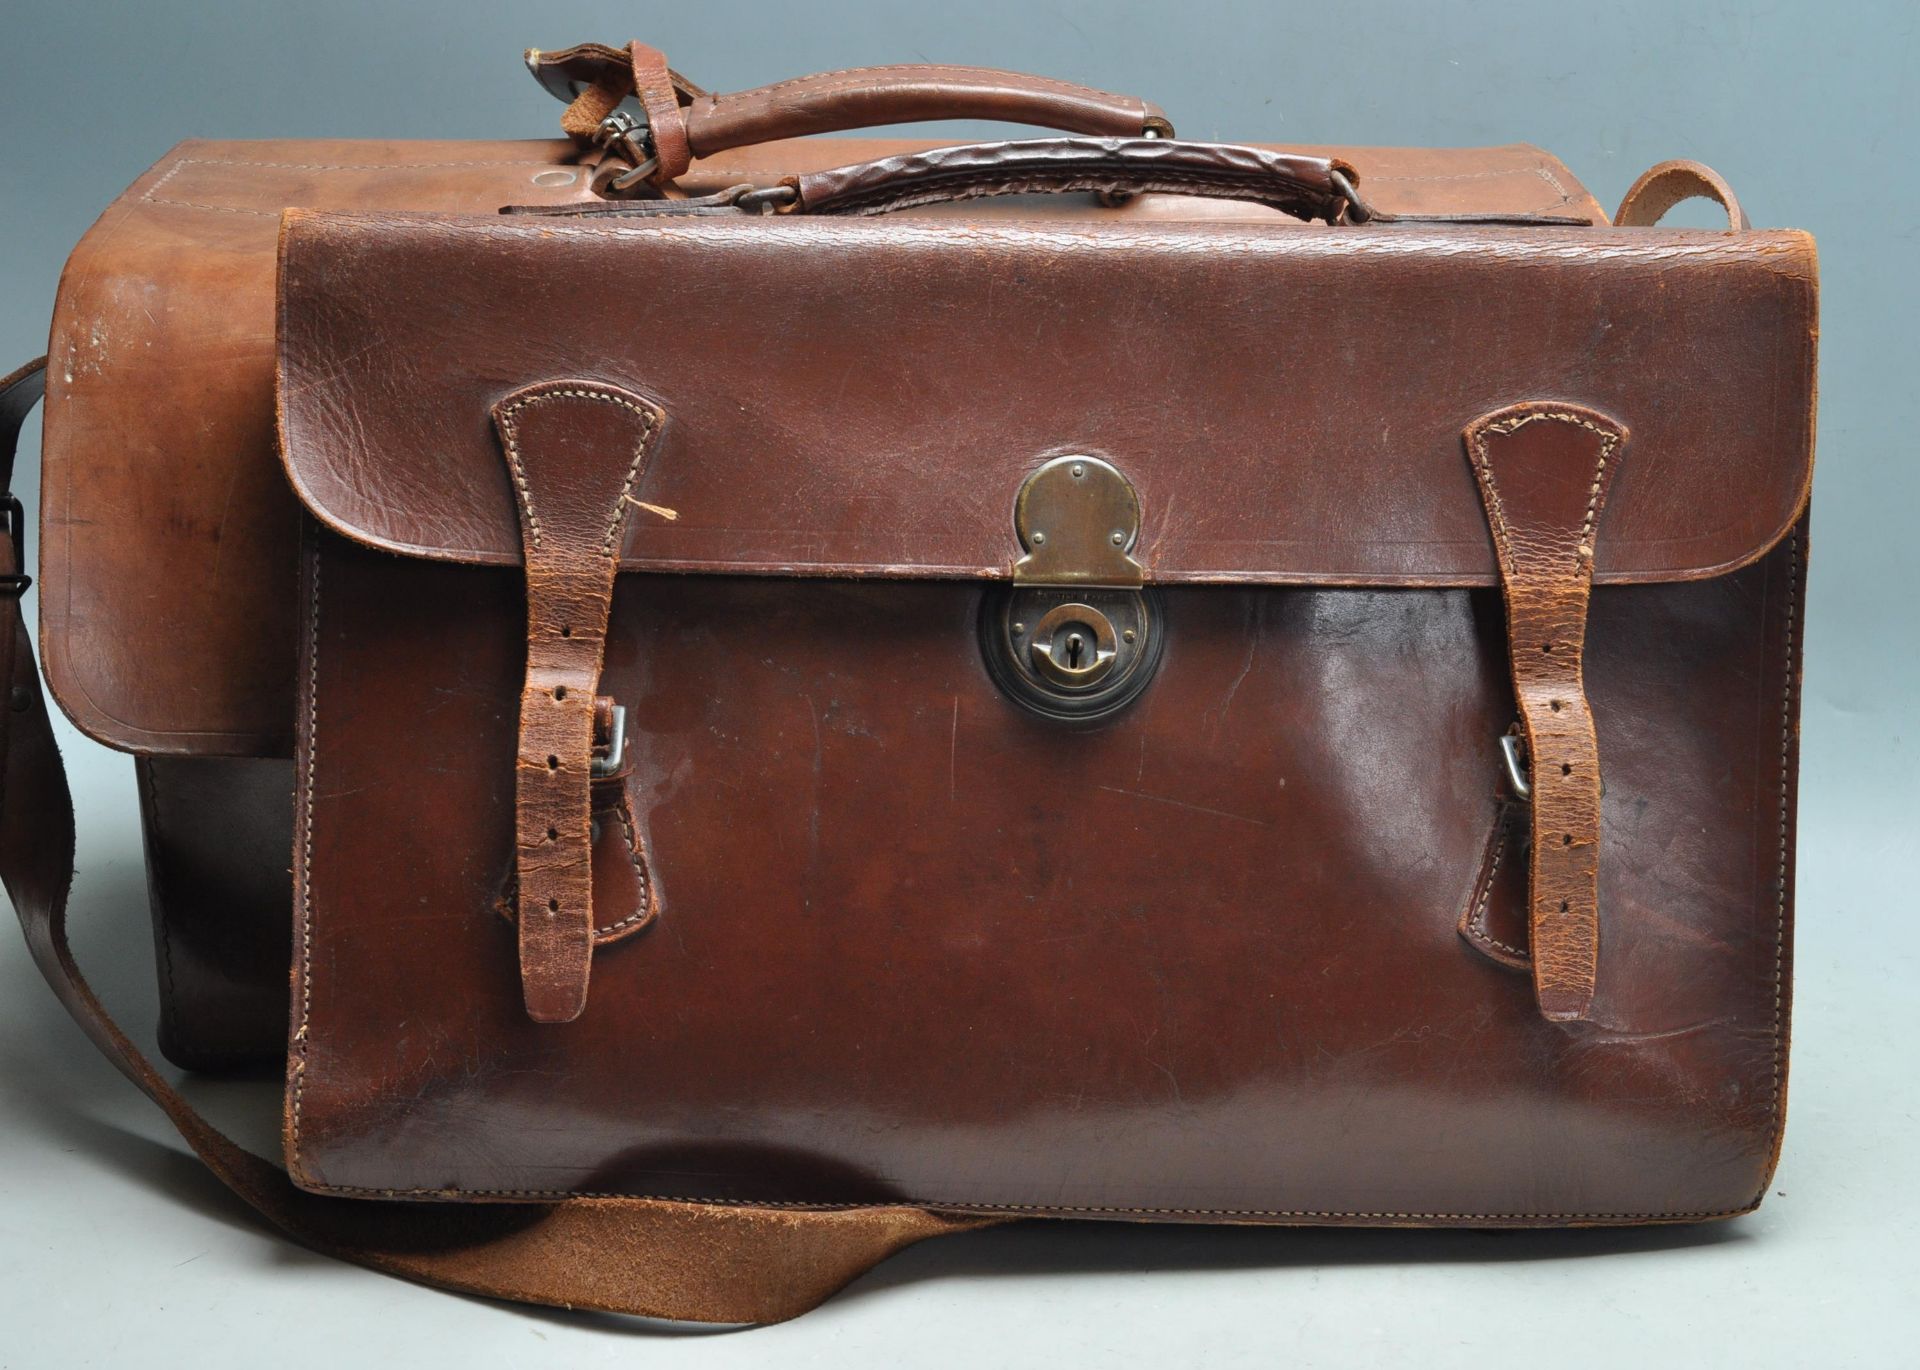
(622, 136)
(15, 583)
(1510, 745)
(616, 753)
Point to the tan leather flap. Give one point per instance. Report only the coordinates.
(865, 398)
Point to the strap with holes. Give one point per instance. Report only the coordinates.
(574, 450)
(1543, 469)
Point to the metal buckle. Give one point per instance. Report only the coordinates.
(1357, 210)
(1516, 767)
(621, 135)
(14, 584)
(604, 766)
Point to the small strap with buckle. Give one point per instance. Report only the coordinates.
(1544, 469)
(559, 439)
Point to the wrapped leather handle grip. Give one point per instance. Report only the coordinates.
(1306, 187)
(685, 121)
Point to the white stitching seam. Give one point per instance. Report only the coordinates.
(510, 436)
(1478, 923)
(151, 198)
(297, 1055)
(1787, 692)
(1609, 439)
(506, 904)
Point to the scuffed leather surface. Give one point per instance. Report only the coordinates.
(918, 946)
(167, 559)
(884, 431)
(734, 1264)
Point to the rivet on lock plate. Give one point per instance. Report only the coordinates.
(1078, 634)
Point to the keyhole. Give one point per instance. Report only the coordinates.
(1076, 645)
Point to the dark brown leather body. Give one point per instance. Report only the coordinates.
(1243, 950)
(917, 945)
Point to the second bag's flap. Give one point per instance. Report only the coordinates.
(866, 397)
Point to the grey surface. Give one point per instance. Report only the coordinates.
(116, 1250)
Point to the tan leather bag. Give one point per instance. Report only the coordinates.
(824, 693)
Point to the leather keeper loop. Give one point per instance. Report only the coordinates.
(1543, 470)
(1667, 184)
(653, 87)
(561, 440)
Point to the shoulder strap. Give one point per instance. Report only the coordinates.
(688, 1262)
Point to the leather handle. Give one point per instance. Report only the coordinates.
(1306, 187)
(685, 121)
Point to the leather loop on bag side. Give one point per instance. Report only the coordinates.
(1544, 470)
(1299, 185)
(1662, 187)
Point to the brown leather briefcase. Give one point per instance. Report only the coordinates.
(819, 693)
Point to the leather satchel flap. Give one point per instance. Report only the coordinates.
(866, 398)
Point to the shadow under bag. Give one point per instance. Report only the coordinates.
(833, 693)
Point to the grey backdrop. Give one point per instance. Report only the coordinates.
(113, 1248)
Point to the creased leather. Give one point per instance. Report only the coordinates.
(1544, 470)
(624, 902)
(573, 499)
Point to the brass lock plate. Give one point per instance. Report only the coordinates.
(1072, 653)
(1077, 635)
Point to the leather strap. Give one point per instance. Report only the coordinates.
(687, 1262)
(1544, 470)
(654, 88)
(573, 509)
(1662, 187)
(686, 121)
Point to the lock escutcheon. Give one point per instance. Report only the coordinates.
(1074, 645)
(1027, 635)
(1077, 635)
